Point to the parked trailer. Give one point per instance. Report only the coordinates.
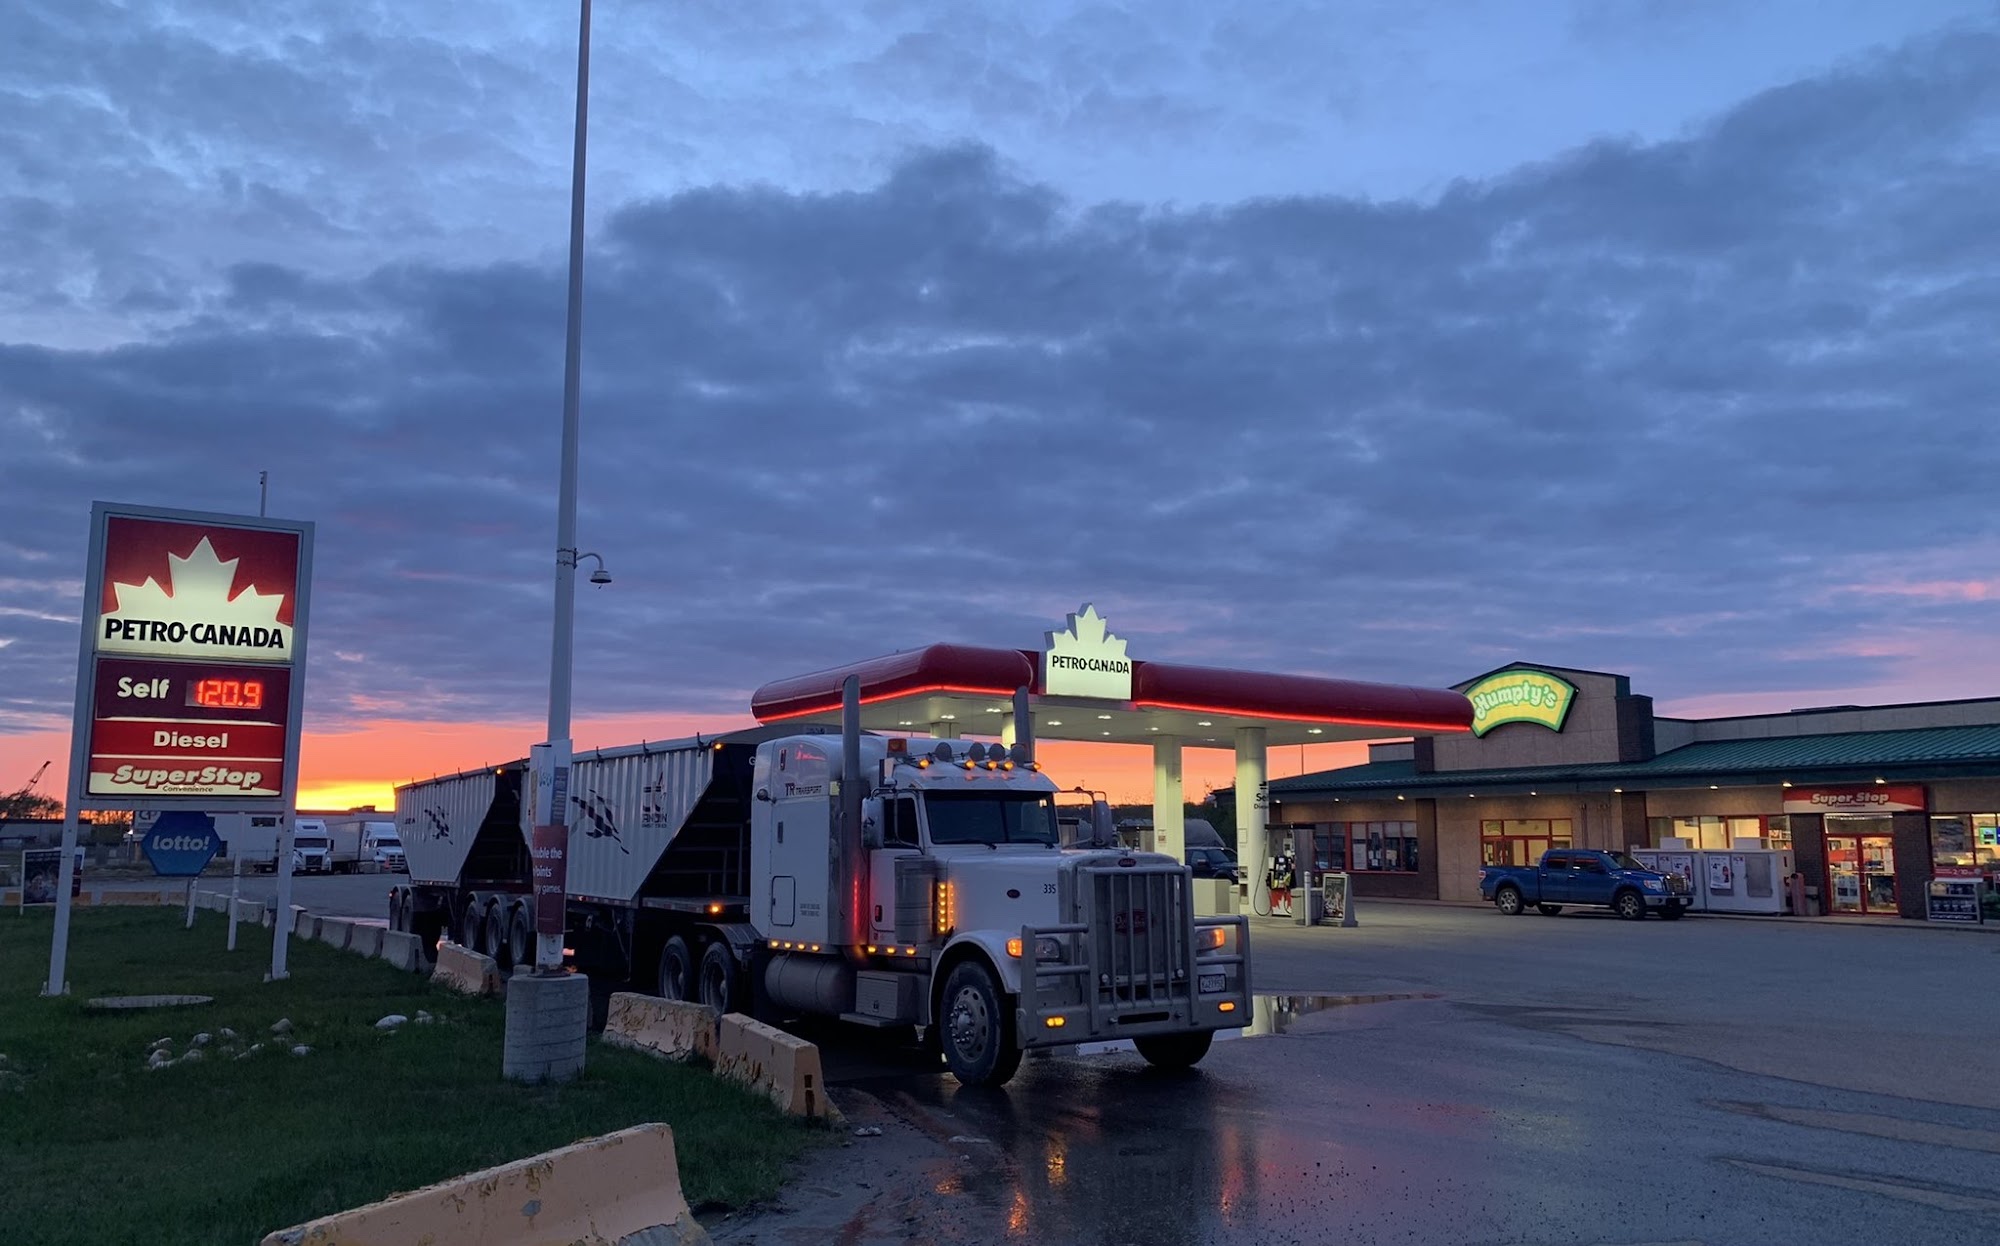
(916, 885)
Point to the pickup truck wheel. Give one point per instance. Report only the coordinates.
(1629, 905)
(1177, 1052)
(676, 970)
(718, 979)
(1548, 910)
(1508, 901)
(978, 1028)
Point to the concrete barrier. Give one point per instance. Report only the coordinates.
(404, 951)
(621, 1188)
(334, 932)
(10, 898)
(673, 1028)
(249, 910)
(783, 1068)
(365, 940)
(463, 969)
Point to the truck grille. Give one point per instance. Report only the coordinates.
(1140, 927)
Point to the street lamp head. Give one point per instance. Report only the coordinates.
(600, 576)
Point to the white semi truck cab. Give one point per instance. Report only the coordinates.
(954, 906)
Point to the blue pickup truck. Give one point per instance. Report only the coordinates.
(1585, 876)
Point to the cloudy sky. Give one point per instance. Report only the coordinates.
(1391, 341)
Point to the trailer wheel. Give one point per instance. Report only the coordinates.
(718, 979)
(520, 935)
(1175, 1052)
(978, 1031)
(470, 925)
(676, 970)
(493, 936)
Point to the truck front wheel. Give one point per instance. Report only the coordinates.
(1175, 1051)
(978, 1032)
(1508, 901)
(1630, 905)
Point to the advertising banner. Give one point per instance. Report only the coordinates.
(194, 631)
(1875, 798)
(41, 874)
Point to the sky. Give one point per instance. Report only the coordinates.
(1388, 341)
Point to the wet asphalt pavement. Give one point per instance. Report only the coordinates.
(1570, 1080)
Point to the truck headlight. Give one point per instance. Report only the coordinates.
(1048, 947)
(1654, 884)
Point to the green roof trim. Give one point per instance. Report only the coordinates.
(1928, 752)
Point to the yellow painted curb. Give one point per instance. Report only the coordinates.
(784, 1068)
(602, 1190)
(673, 1028)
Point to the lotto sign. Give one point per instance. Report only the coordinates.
(195, 639)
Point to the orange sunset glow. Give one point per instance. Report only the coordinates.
(349, 769)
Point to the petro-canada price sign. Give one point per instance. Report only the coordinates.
(193, 653)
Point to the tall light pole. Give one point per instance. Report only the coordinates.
(548, 1010)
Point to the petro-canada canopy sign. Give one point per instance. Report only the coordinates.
(1086, 660)
(194, 642)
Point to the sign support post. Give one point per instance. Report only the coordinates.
(235, 888)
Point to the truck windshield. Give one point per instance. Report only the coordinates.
(981, 818)
(1619, 861)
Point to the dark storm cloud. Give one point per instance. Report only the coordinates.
(1678, 409)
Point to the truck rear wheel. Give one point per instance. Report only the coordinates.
(676, 970)
(1548, 910)
(1175, 1051)
(1629, 905)
(978, 1030)
(1508, 901)
(718, 979)
(493, 935)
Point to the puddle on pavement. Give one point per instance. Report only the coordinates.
(1269, 1014)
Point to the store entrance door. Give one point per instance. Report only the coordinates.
(1861, 873)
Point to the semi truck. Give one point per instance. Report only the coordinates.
(365, 843)
(904, 884)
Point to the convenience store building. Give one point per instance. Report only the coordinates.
(1874, 802)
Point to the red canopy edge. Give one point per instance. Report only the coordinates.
(935, 668)
(1298, 698)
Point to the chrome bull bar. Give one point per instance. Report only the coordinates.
(1140, 963)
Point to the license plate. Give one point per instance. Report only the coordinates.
(1211, 983)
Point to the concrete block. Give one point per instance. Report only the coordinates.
(1215, 897)
(673, 1028)
(622, 1187)
(366, 940)
(334, 931)
(249, 910)
(465, 970)
(783, 1068)
(304, 924)
(547, 1020)
(404, 951)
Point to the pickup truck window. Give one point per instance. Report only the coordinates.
(1624, 862)
(1591, 865)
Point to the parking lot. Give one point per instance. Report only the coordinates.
(1568, 1079)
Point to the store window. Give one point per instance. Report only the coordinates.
(1521, 841)
(1329, 846)
(1719, 834)
(1966, 841)
(1382, 847)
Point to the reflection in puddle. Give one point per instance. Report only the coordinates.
(1269, 1014)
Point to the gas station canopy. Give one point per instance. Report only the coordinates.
(1083, 687)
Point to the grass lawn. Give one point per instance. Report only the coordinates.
(94, 1147)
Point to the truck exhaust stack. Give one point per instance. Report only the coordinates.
(1024, 729)
(849, 865)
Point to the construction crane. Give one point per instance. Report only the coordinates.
(18, 800)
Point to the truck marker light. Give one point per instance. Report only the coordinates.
(967, 764)
(910, 951)
(1227, 1005)
(1214, 937)
(713, 909)
(923, 763)
(1054, 1023)
(815, 947)
(1014, 947)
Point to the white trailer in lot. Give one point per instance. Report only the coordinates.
(889, 882)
